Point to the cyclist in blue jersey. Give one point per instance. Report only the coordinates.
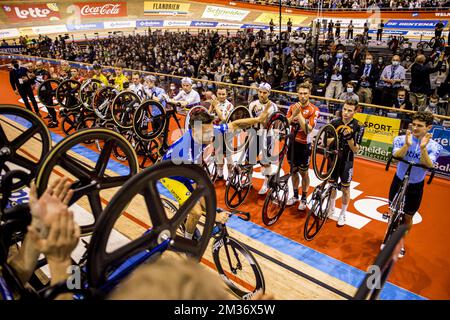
(418, 147)
(189, 148)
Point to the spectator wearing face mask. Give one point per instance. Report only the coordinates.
(420, 85)
(367, 77)
(434, 107)
(349, 92)
(338, 73)
(392, 76)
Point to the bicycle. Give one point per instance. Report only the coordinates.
(432, 43)
(233, 260)
(397, 205)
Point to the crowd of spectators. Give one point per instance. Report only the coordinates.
(336, 70)
(358, 4)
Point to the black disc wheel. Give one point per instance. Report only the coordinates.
(94, 175)
(68, 94)
(325, 152)
(238, 141)
(123, 108)
(87, 91)
(318, 213)
(238, 268)
(24, 141)
(145, 188)
(47, 92)
(149, 120)
(238, 185)
(102, 101)
(275, 203)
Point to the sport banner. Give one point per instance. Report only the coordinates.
(165, 8)
(378, 136)
(442, 136)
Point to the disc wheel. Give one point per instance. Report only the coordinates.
(89, 175)
(68, 94)
(318, 214)
(325, 152)
(163, 232)
(238, 185)
(275, 203)
(88, 90)
(16, 142)
(102, 100)
(149, 120)
(47, 92)
(123, 108)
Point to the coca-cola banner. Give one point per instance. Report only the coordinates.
(31, 12)
(102, 9)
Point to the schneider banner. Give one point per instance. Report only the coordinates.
(378, 136)
(442, 136)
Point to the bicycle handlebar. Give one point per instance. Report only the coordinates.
(241, 214)
(412, 164)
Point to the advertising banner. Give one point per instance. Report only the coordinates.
(410, 24)
(378, 136)
(11, 49)
(254, 26)
(85, 26)
(102, 9)
(214, 12)
(165, 8)
(9, 33)
(442, 136)
(203, 24)
(60, 28)
(149, 23)
(229, 25)
(31, 12)
(178, 23)
(119, 24)
(266, 17)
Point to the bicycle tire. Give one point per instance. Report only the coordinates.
(68, 94)
(239, 287)
(235, 182)
(42, 91)
(271, 199)
(317, 213)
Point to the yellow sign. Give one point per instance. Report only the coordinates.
(165, 8)
(377, 128)
(266, 17)
(28, 31)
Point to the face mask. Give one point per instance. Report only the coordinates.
(339, 55)
(433, 105)
(368, 61)
(395, 63)
(400, 101)
(380, 61)
(172, 87)
(349, 90)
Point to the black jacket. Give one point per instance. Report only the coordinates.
(420, 77)
(373, 75)
(16, 74)
(345, 71)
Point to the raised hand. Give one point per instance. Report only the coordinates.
(408, 138)
(425, 141)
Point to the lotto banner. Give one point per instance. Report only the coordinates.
(378, 136)
(442, 136)
(165, 8)
(31, 12)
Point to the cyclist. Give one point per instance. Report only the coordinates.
(222, 108)
(136, 86)
(303, 113)
(189, 148)
(187, 97)
(158, 94)
(99, 75)
(418, 147)
(120, 78)
(350, 133)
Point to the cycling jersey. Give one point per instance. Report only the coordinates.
(102, 78)
(256, 108)
(119, 81)
(310, 113)
(356, 130)
(156, 92)
(192, 98)
(413, 154)
(224, 107)
(138, 89)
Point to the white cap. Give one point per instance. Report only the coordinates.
(150, 78)
(186, 80)
(265, 86)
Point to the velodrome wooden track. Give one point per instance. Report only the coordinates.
(331, 266)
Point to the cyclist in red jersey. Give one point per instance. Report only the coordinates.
(305, 115)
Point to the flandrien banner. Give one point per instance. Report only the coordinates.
(222, 13)
(378, 136)
(165, 8)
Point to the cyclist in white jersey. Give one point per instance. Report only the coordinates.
(187, 97)
(221, 109)
(136, 86)
(256, 108)
(416, 146)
